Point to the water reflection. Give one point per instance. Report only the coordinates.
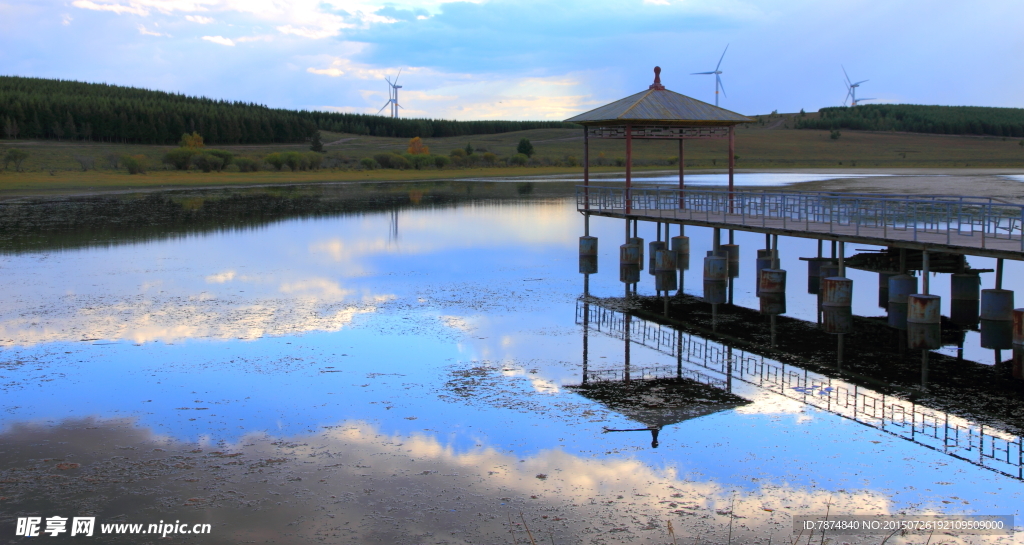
(433, 335)
(714, 360)
(360, 484)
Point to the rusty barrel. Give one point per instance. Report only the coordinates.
(665, 280)
(1018, 362)
(588, 245)
(922, 336)
(828, 270)
(664, 260)
(654, 247)
(883, 289)
(1018, 326)
(732, 253)
(897, 315)
(680, 244)
(716, 268)
(629, 273)
(836, 291)
(588, 264)
(772, 281)
(965, 295)
(997, 304)
(629, 254)
(900, 286)
(814, 273)
(836, 320)
(715, 291)
(764, 261)
(996, 334)
(683, 262)
(924, 309)
(773, 303)
(640, 244)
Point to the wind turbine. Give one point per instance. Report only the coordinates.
(851, 90)
(393, 88)
(717, 73)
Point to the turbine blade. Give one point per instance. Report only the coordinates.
(701, 73)
(845, 74)
(403, 107)
(396, 77)
(719, 82)
(860, 82)
(722, 57)
(384, 106)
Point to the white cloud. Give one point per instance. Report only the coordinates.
(116, 8)
(66, 19)
(221, 278)
(313, 33)
(219, 40)
(199, 19)
(142, 30)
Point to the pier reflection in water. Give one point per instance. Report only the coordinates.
(712, 360)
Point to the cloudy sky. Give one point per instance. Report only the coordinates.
(525, 59)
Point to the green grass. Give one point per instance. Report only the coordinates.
(52, 167)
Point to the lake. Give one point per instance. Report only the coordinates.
(405, 363)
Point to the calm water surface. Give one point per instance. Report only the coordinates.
(404, 362)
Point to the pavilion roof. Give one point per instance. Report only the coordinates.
(659, 106)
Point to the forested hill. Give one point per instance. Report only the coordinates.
(71, 110)
(927, 119)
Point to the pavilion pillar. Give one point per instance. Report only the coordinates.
(732, 163)
(681, 174)
(586, 168)
(629, 166)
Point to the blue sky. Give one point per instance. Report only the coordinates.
(502, 59)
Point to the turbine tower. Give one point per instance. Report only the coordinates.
(717, 73)
(393, 88)
(851, 90)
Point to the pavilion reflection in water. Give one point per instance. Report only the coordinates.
(710, 367)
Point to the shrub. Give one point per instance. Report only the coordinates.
(420, 162)
(85, 161)
(368, 163)
(16, 156)
(191, 140)
(314, 160)
(225, 156)
(136, 164)
(207, 162)
(179, 158)
(572, 161)
(490, 158)
(246, 164)
(317, 145)
(275, 160)
(834, 135)
(416, 147)
(440, 161)
(391, 160)
(294, 160)
(518, 160)
(461, 153)
(525, 147)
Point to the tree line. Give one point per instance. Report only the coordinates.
(37, 108)
(976, 120)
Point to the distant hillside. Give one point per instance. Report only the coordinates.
(71, 110)
(926, 119)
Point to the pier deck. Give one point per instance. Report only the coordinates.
(958, 225)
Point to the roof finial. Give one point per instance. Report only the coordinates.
(657, 79)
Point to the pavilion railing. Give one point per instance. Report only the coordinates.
(981, 445)
(897, 217)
